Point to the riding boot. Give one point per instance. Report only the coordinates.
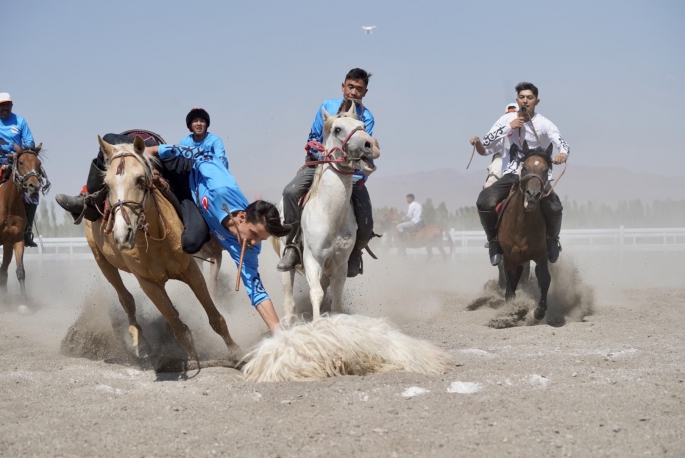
(28, 230)
(489, 222)
(553, 229)
(355, 265)
(86, 205)
(291, 254)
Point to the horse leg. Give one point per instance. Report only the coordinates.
(316, 292)
(214, 269)
(502, 278)
(288, 279)
(544, 280)
(21, 273)
(6, 260)
(159, 297)
(111, 273)
(196, 281)
(513, 274)
(337, 283)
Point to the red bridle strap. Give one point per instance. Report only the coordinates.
(326, 154)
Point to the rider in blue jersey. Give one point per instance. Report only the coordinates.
(174, 171)
(15, 130)
(354, 88)
(222, 205)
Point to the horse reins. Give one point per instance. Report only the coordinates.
(20, 180)
(530, 120)
(138, 208)
(326, 154)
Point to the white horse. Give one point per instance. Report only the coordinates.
(494, 170)
(329, 227)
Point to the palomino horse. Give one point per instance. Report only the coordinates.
(522, 231)
(138, 206)
(329, 227)
(27, 176)
(428, 236)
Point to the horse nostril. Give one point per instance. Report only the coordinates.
(367, 145)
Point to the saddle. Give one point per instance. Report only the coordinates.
(500, 207)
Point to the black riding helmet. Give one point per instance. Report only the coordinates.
(197, 113)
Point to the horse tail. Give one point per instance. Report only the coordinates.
(276, 243)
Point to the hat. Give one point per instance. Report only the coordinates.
(5, 97)
(197, 113)
(511, 107)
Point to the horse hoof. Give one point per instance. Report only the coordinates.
(539, 314)
(143, 351)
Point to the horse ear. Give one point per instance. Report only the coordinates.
(139, 145)
(549, 149)
(106, 148)
(324, 114)
(17, 148)
(525, 146)
(353, 110)
(38, 148)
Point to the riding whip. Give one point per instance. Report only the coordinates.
(240, 266)
(472, 154)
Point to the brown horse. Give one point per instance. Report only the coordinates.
(27, 176)
(522, 231)
(142, 236)
(428, 236)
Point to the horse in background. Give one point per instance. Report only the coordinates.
(136, 206)
(428, 236)
(26, 176)
(329, 227)
(522, 231)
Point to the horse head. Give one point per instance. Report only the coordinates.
(534, 174)
(129, 179)
(346, 133)
(28, 173)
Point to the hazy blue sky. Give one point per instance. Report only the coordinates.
(611, 76)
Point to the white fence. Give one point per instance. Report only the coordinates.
(587, 240)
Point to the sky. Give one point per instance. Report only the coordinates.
(611, 76)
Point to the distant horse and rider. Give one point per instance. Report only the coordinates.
(24, 179)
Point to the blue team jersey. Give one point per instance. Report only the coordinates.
(332, 106)
(212, 186)
(211, 143)
(14, 130)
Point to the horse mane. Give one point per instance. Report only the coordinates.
(40, 154)
(315, 184)
(149, 163)
(539, 152)
(331, 119)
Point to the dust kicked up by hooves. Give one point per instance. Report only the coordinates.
(569, 299)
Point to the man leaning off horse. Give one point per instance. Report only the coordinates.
(516, 128)
(174, 170)
(222, 208)
(354, 88)
(15, 130)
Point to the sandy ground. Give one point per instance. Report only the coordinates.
(612, 384)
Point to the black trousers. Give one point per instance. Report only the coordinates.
(361, 201)
(499, 190)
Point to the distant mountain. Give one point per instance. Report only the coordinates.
(579, 183)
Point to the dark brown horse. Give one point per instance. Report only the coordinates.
(26, 176)
(522, 232)
(428, 236)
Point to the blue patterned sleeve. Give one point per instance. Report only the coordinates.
(250, 273)
(26, 136)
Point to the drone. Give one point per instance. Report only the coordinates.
(368, 29)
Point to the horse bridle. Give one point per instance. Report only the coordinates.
(21, 180)
(137, 208)
(327, 154)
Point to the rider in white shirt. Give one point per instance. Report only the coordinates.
(414, 217)
(515, 129)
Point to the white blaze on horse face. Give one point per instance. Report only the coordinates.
(120, 229)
